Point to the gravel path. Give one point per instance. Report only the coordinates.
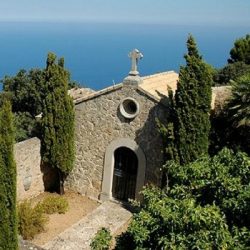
(109, 215)
(26, 245)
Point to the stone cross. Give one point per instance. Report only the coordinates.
(135, 55)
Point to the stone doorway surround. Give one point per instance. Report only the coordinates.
(109, 161)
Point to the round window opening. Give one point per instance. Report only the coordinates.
(129, 108)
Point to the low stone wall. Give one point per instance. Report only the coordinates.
(29, 175)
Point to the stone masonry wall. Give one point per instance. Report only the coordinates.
(29, 175)
(99, 122)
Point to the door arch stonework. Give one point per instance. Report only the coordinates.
(109, 161)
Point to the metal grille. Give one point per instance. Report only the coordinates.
(125, 173)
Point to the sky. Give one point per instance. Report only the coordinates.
(198, 12)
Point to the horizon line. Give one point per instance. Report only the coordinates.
(123, 22)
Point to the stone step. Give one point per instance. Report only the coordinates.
(109, 215)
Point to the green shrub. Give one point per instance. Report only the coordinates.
(31, 220)
(206, 205)
(102, 240)
(54, 204)
(168, 223)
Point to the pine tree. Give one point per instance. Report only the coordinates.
(192, 106)
(57, 143)
(241, 50)
(8, 215)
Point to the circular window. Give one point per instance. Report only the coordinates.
(129, 108)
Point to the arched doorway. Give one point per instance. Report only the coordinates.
(125, 174)
(109, 166)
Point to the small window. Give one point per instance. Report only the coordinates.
(129, 108)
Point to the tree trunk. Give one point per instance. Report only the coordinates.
(61, 182)
(164, 180)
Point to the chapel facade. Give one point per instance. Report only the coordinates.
(118, 144)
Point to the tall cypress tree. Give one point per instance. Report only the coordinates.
(8, 216)
(57, 142)
(192, 106)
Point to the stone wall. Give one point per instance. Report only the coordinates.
(29, 175)
(99, 122)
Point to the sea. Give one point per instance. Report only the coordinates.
(96, 54)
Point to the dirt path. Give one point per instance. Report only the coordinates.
(79, 206)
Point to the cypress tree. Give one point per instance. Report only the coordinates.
(192, 106)
(8, 215)
(57, 142)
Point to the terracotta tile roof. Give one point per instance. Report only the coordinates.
(158, 84)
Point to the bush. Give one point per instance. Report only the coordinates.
(102, 240)
(205, 205)
(54, 204)
(222, 180)
(31, 220)
(168, 223)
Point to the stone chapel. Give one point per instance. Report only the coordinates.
(118, 145)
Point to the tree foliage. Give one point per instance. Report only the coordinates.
(25, 91)
(166, 223)
(239, 105)
(236, 120)
(25, 126)
(241, 50)
(57, 143)
(191, 106)
(223, 180)
(230, 72)
(8, 217)
(231, 126)
(238, 63)
(205, 206)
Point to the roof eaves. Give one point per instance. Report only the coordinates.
(98, 93)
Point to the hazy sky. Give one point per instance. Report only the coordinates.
(223, 12)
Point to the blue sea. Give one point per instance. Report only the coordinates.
(97, 54)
